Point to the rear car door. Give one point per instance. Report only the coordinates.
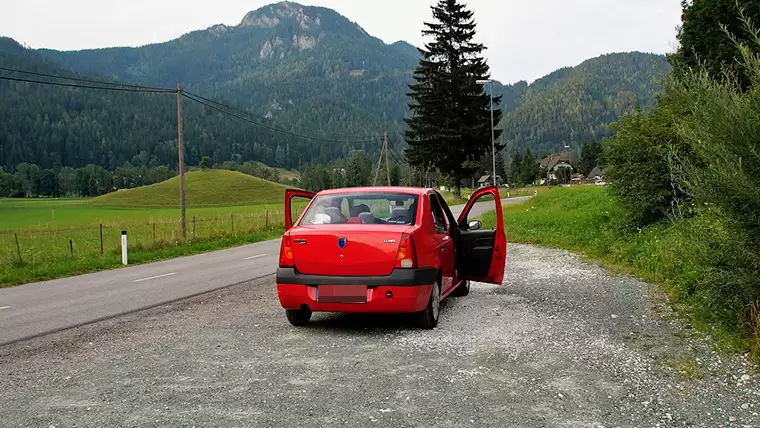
(481, 250)
(443, 243)
(292, 213)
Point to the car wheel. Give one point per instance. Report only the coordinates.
(462, 290)
(298, 317)
(428, 319)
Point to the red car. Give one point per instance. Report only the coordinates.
(384, 249)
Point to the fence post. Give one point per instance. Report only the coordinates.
(266, 223)
(232, 222)
(71, 247)
(124, 247)
(18, 249)
(101, 239)
(193, 227)
(154, 233)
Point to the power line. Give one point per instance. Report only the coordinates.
(264, 118)
(71, 85)
(77, 79)
(393, 155)
(272, 128)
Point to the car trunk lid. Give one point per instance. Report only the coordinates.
(346, 250)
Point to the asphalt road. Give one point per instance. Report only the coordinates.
(33, 309)
(560, 344)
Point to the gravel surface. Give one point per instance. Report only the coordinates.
(561, 344)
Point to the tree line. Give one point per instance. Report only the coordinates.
(30, 181)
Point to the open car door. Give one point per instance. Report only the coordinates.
(291, 194)
(482, 252)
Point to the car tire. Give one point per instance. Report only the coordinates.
(428, 319)
(298, 317)
(462, 290)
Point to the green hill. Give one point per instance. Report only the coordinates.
(212, 188)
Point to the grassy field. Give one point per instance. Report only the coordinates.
(63, 237)
(696, 261)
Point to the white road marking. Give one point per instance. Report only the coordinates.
(155, 277)
(255, 257)
(4, 307)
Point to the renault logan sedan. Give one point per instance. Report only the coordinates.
(384, 249)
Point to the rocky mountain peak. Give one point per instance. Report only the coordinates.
(270, 16)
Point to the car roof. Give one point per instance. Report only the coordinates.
(377, 189)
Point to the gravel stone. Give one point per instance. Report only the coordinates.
(542, 350)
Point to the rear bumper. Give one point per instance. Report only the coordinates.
(399, 278)
(409, 288)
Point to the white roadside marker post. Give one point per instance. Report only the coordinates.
(124, 247)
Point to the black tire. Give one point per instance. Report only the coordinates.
(297, 317)
(462, 290)
(428, 319)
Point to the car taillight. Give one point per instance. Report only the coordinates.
(286, 252)
(406, 257)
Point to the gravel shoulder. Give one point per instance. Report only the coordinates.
(561, 344)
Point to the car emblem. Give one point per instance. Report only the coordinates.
(342, 243)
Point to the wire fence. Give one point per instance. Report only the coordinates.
(35, 246)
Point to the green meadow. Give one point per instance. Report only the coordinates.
(62, 237)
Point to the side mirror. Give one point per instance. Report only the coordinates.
(475, 225)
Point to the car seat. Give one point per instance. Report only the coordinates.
(335, 216)
(400, 216)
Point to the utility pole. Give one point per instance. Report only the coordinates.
(489, 82)
(377, 170)
(181, 160)
(387, 163)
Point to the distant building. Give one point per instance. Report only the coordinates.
(553, 163)
(486, 181)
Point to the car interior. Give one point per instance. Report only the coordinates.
(474, 246)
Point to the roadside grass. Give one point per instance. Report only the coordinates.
(699, 262)
(138, 254)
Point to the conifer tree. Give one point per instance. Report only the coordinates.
(450, 127)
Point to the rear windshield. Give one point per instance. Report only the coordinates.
(363, 208)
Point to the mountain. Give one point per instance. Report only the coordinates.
(305, 66)
(304, 69)
(574, 105)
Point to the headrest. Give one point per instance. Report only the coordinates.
(334, 214)
(367, 218)
(358, 209)
(400, 215)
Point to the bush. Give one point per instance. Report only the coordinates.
(638, 171)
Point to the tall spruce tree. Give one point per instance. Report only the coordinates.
(450, 127)
(703, 39)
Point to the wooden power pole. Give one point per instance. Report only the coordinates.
(383, 152)
(181, 161)
(387, 163)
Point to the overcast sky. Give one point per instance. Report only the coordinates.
(527, 39)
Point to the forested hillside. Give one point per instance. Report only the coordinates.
(577, 105)
(61, 126)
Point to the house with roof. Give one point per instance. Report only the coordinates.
(552, 164)
(486, 181)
